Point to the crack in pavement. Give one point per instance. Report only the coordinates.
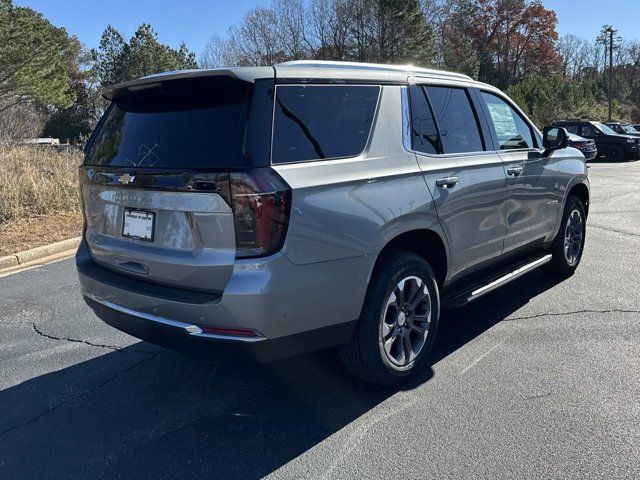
(624, 232)
(37, 330)
(573, 312)
(537, 396)
(85, 394)
(86, 342)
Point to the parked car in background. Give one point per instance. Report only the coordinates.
(623, 128)
(614, 146)
(585, 145)
(263, 212)
(636, 126)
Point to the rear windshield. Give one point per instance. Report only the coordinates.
(195, 123)
(316, 122)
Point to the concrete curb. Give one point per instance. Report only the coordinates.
(38, 253)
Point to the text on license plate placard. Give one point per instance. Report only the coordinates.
(138, 224)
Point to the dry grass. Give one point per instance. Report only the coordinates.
(37, 181)
(25, 233)
(39, 202)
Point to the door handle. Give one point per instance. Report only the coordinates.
(514, 171)
(447, 182)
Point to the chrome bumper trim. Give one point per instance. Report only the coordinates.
(188, 328)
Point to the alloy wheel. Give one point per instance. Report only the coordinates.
(405, 321)
(573, 237)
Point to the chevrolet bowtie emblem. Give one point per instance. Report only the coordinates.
(126, 179)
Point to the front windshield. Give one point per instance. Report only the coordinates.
(604, 129)
(629, 129)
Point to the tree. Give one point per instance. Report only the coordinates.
(400, 33)
(457, 45)
(21, 121)
(256, 40)
(117, 61)
(215, 54)
(509, 38)
(294, 29)
(385, 31)
(146, 55)
(74, 124)
(329, 31)
(109, 59)
(34, 57)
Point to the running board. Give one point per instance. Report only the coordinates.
(459, 298)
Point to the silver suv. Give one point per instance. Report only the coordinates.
(257, 213)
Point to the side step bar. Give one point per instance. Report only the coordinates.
(462, 297)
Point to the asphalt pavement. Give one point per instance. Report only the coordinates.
(540, 379)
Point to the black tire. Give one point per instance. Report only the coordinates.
(365, 355)
(563, 263)
(615, 153)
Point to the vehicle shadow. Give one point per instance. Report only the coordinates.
(148, 413)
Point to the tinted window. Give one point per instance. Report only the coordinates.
(456, 120)
(573, 128)
(315, 122)
(588, 131)
(512, 131)
(193, 124)
(424, 134)
(603, 128)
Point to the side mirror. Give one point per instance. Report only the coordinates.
(554, 138)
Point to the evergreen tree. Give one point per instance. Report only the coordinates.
(34, 58)
(118, 61)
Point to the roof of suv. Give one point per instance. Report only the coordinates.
(576, 121)
(299, 69)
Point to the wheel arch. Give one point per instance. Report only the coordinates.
(427, 243)
(581, 191)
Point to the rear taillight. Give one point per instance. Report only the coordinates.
(84, 178)
(261, 203)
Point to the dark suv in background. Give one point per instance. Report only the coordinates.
(613, 145)
(623, 129)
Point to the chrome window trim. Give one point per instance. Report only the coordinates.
(406, 136)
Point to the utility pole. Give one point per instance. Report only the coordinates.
(607, 37)
(610, 68)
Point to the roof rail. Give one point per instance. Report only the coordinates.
(371, 66)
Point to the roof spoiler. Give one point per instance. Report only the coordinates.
(118, 90)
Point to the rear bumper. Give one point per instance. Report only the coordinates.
(292, 308)
(190, 339)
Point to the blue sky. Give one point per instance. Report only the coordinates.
(194, 21)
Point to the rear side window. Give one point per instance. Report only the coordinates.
(573, 128)
(588, 131)
(510, 128)
(459, 132)
(314, 122)
(424, 133)
(195, 123)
